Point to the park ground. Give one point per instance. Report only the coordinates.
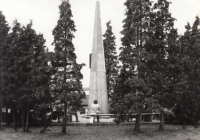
(104, 132)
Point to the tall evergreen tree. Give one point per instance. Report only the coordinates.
(4, 28)
(160, 29)
(10, 71)
(146, 32)
(188, 108)
(110, 58)
(67, 77)
(39, 70)
(132, 53)
(25, 70)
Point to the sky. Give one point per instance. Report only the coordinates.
(45, 13)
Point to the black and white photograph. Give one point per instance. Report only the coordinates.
(99, 69)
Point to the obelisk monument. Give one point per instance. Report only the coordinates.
(98, 87)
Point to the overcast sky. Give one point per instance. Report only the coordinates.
(45, 13)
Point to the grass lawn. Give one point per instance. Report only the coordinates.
(106, 132)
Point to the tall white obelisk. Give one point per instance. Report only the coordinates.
(98, 87)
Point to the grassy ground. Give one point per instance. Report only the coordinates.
(106, 132)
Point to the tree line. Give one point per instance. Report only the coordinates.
(34, 79)
(158, 69)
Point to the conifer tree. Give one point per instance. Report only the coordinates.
(68, 76)
(132, 53)
(39, 70)
(10, 71)
(4, 28)
(187, 109)
(110, 58)
(25, 71)
(160, 30)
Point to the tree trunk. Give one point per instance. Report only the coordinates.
(137, 123)
(117, 118)
(64, 81)
(58, 118)
(14, 119)
(0, 113)
(161, 127)
(138, 116)
(23, 125)
(48, 123)
(184, 124)
(7, 117)
(196, 124)
(27, 119)
(1, 98)
(64, 125)
(64, 119)
(120, 117)
(76, 115)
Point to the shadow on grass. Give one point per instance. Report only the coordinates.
(114, 132)
(152, 132)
